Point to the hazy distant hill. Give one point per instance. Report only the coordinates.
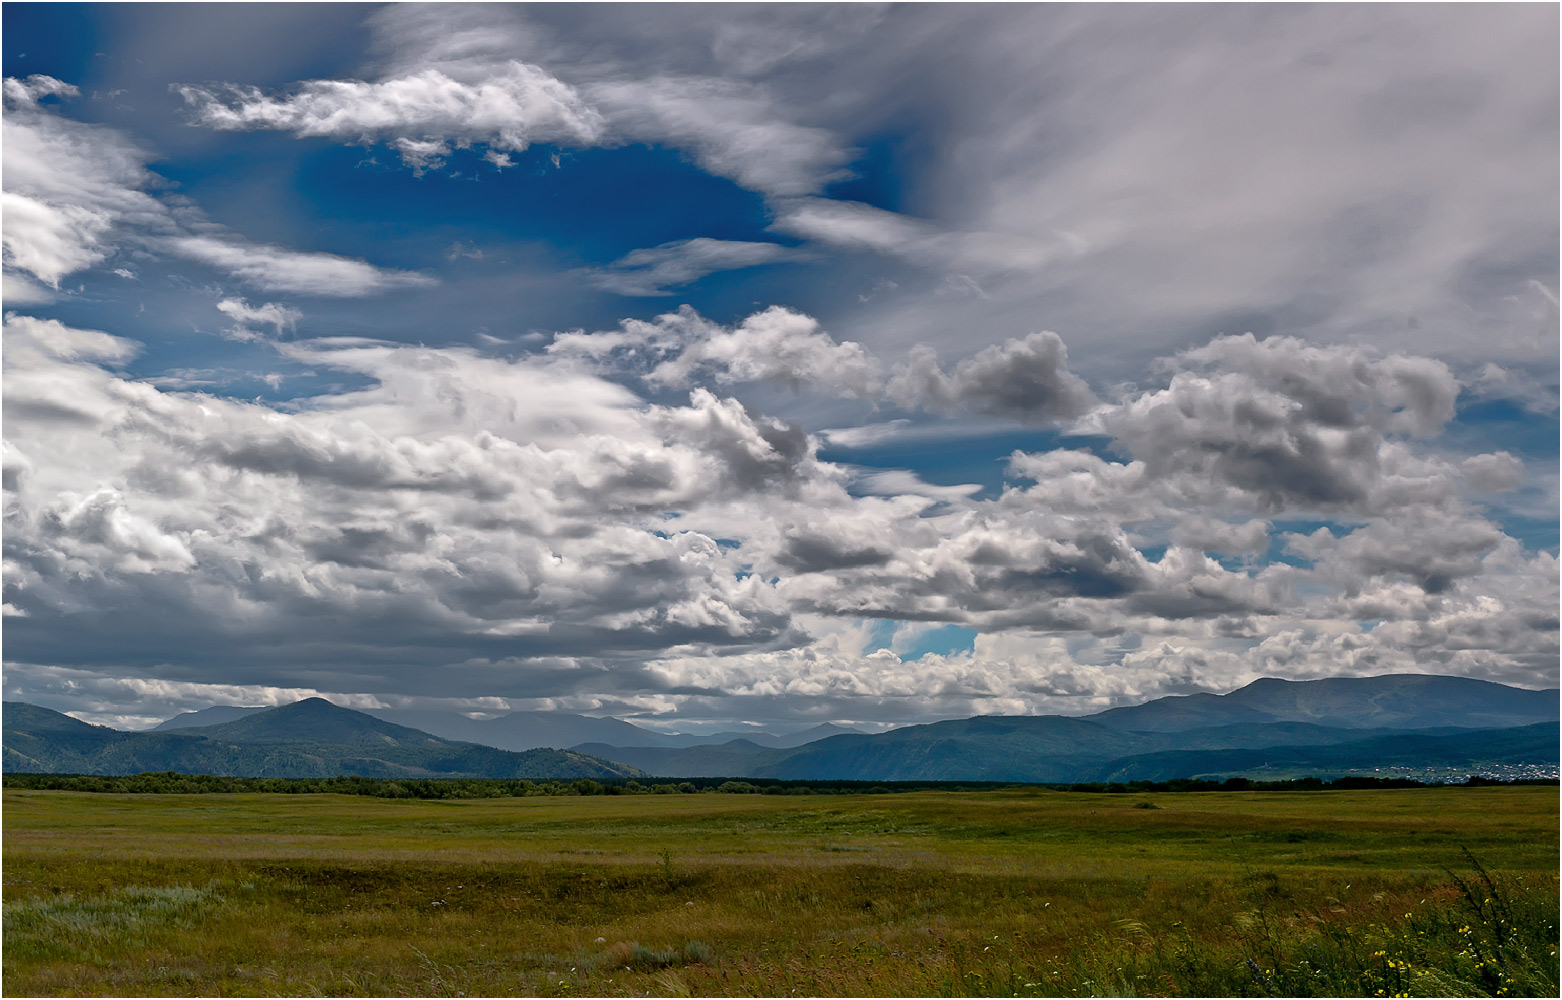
(307, 739)
(1460, 749)
(986, 748)
(1340, 723)
(822, 731)
(206, 717)
(528, 730)
(525, 730)
(1394, 701)
(518, 730)
(730, 759)
(1450, 722)
(1055, 749)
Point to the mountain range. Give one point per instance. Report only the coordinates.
(1057, 749)
(1328, 725)
(1392, 701)
(307, 739)
(528, 730)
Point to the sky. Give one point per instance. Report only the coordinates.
(769, 365)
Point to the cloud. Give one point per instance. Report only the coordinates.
(1535, 391)
(1025, 379)
(654, 270)
(1337, 386)
(639, 516)
(74, 194)
(1397, 549)
(989, 254)
(899, 482)
(1191, 212)
(864, 435)
(1205, 534)
(467, 86)
(34, 343)
(141, 703)
(69, 187)
(1065, 191)
(776, 344)
(853, 224)
(278, 317)
(1288, 424)
(278, 269)
(511, 107)
(17, 290)
(1497, 472)
(525, 528)
(25, 93)
(1068, 192)
(732, 130)
(101, 527)
(459, 251)
(544, 530)
(1502, 628)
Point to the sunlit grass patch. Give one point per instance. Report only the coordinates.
(94, 928)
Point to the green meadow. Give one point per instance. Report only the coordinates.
(1029, 892)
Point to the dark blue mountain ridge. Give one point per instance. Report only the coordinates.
(1397, 710)
(307, 739)
(1267, 713)
(1391, 701)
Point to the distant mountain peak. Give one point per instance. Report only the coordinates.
(315, 704)
(20, 714)
(209, 716)
(319, 720)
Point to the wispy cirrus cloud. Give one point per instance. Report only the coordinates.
(655, 271)
(275, 315)
(279, 269)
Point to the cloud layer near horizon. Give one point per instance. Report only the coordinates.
(529, 529)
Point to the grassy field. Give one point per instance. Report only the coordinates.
(1024, 892)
